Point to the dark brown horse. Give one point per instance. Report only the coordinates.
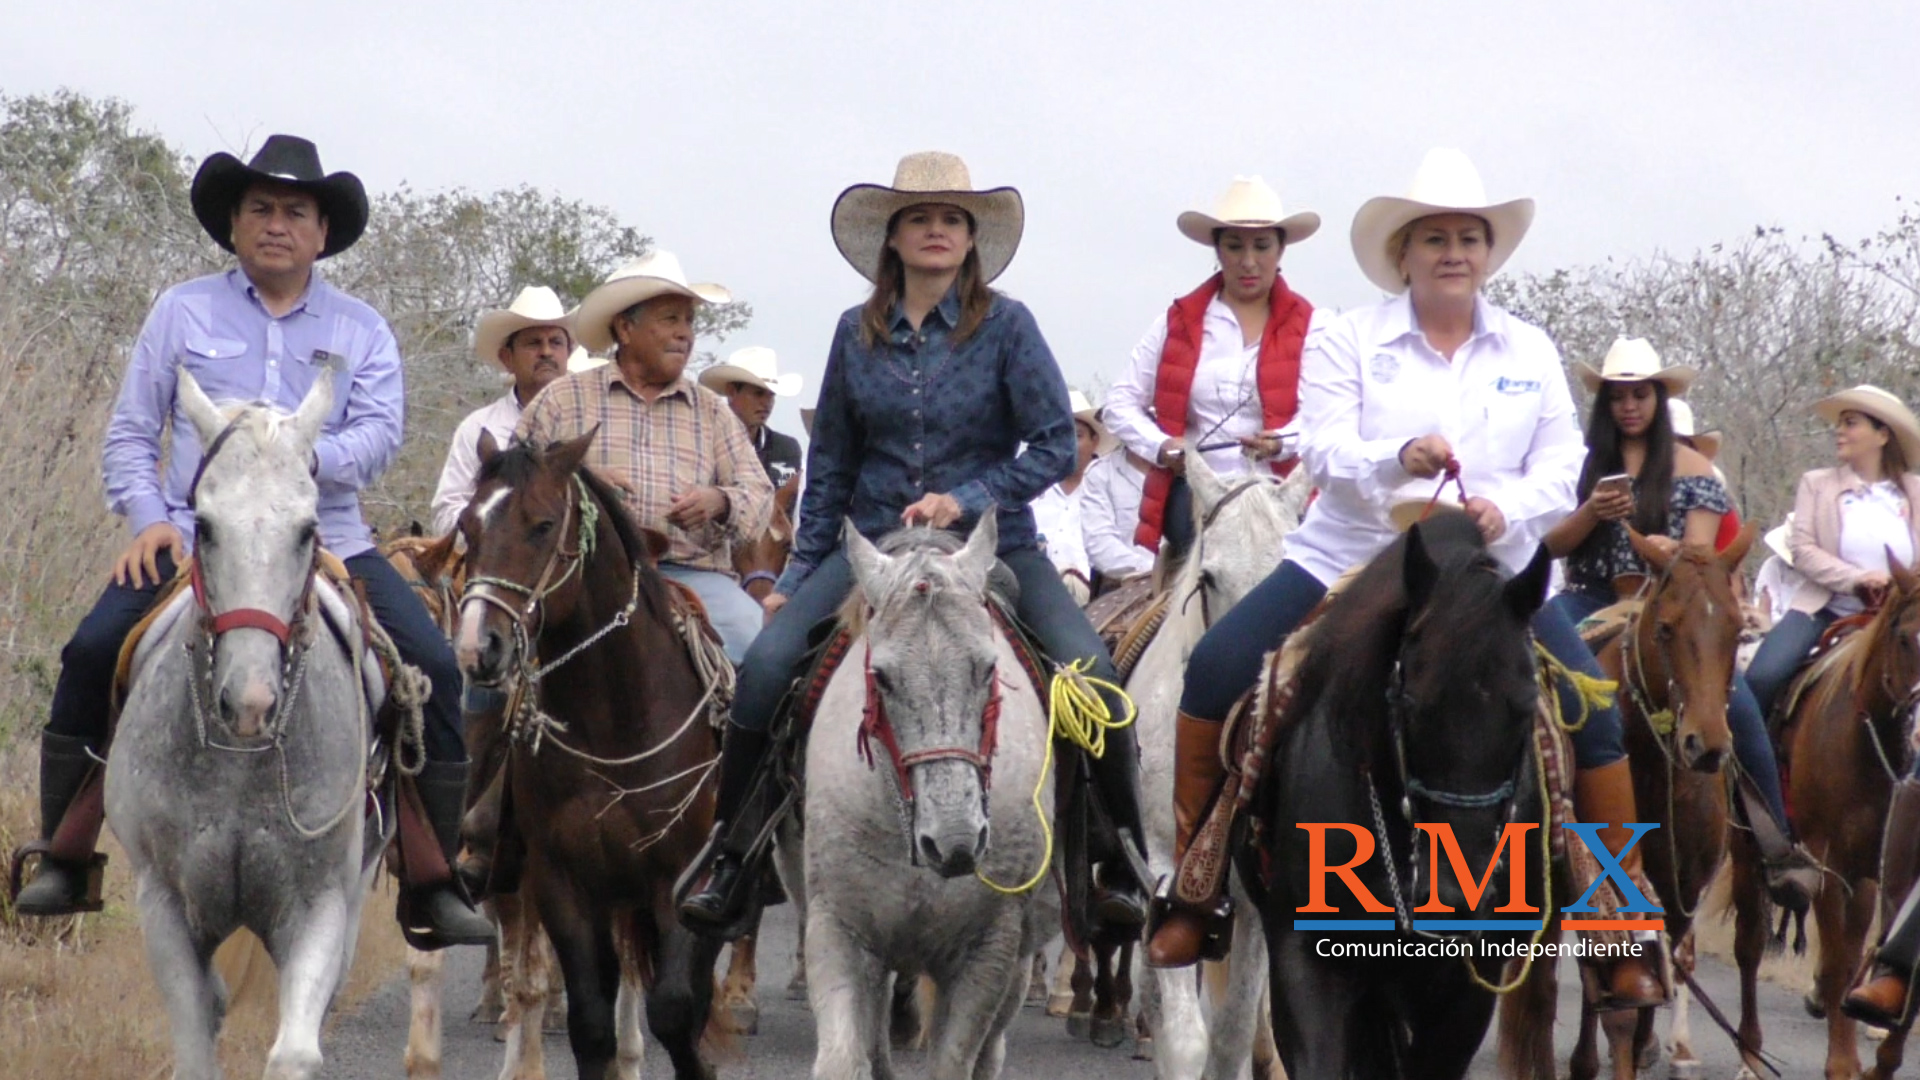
(1846, 739)
(611, 749)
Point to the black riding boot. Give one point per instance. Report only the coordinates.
(443, 904)
(58, 887)
(1791, 872)
(715, 906)
(1121, 901)
(483, 723)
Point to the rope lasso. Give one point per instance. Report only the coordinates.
(1078, 713)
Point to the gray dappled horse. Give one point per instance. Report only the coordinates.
(238, 773)
(891, 886)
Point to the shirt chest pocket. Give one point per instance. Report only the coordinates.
(216, 364)
(1511, 410)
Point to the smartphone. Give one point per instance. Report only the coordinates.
(1618, 482)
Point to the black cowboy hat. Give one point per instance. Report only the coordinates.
(282, 159)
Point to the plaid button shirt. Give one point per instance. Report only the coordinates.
(686, 438)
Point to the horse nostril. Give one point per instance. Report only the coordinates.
(980, 842)
(929, 851)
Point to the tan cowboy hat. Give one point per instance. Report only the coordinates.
(1883, 407)
(861, 213)
(536, 305)
(582, 360)
(1084, 412)
(1778, 540)
(657, 274)
(1407, 512)
(1680, 416)
(1447, 183)
(755, 365)
(806, 420)
(1634, 360)
(1249, 203)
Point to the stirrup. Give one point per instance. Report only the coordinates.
(1216, 918)
(93, 876)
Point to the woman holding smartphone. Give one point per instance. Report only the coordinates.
(1639, 473)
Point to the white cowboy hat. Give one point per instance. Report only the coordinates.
(1634, 360)
(861, 213)
(1249, 203)
(536, 305)
(657, 274)
(1680, 417)
(1084, 412)
(582, 360)
(1778, 540)
(755, 365)
(1880, 405)
(1447, 183)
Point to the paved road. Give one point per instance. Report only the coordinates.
(367, 1045)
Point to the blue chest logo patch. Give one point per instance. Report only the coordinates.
(1516, 386)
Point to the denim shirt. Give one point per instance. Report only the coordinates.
(921, 415)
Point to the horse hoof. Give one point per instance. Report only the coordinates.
(1811, 1002)
(1059, 1005)
(1080, 1025)
(1143, 1048)
(1684, 1070)
(1108, 1034)
(746, 1018)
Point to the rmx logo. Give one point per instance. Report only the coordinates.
(1441, 844)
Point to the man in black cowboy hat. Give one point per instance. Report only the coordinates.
(262, 331)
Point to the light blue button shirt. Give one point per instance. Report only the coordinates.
(217, 327)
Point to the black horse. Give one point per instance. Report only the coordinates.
(1415, 705)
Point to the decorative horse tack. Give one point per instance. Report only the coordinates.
(874, 725)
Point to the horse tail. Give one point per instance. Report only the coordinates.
(246, 970)
(1526, 1023)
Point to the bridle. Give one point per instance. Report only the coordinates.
(1198, 554)
(529, 615)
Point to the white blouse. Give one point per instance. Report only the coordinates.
(1110, 511)
(1872, 520)
(1056, 516)
(1370, 383)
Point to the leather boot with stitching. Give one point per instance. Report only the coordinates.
(444, 904)
(58, 887)
(1604, 796)
(1182, 931)
(1882, 998)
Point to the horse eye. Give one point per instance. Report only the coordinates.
(308, 532)
(203, 531)
(882, 680)
(541, 530)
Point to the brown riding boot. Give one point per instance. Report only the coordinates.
(1180, 929)
(1882, 998)
(1604, 796)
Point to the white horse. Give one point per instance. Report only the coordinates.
(1239, 533)
(891, 887)
(237, 780)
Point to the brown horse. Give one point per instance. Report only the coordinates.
(1674, 661)
(1845, 737)
(608, 764)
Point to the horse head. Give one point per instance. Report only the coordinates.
(256, 536)
(932, 658)
(1239, 526)
(1682, 652)
(1463, 696)
(759, 562)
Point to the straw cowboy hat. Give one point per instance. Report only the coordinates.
(658, 274)
(536, 305)
(861, 213)
(1680, 416)
(1447, 183)
(1880, 405)
(1634, 360)
(1407, 512)
(282, 159)
(1085, 413)
(755, 366)
(1778, 540)
(582, 360)
(1249, 203)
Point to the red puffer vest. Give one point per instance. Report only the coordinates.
(1278, 375)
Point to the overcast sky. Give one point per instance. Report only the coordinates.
(725, 129)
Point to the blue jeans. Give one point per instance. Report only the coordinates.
(1782, 652)
(1226, 661)
(734, 615)
(1745, 720)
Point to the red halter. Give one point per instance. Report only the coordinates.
(874, 725)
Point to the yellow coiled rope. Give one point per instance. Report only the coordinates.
(1595, 693)
(1078, 713)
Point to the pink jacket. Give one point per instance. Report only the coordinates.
(1816, 534)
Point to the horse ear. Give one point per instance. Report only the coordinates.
(1419, 573)
(567, 455)
(1295, 491)
(1526, 591)
(1902, 574)
(318, 403)
(199, 408)
(432, 561)
(488, 448)
(983, 548)
(1654, 557)
(1208, 488)
(869, 563)
(1736, 552)
(657, 544)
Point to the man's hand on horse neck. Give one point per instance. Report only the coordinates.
(144, 554)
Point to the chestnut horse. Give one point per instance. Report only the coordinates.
(1846, 738)
(609, 764)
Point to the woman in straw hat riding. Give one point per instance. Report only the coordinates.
(1222, 364)
(1389, 395)
(940, 400)
(1671, 496)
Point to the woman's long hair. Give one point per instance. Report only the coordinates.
(891, 283)
(1654, 486)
